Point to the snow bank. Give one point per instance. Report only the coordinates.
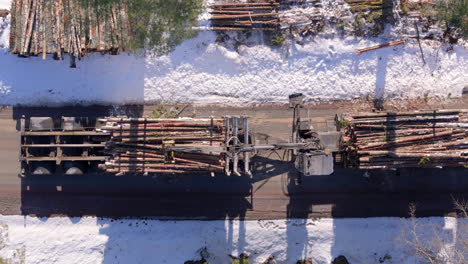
(97, 240)
(5, 4)
(324, 69)
(98, 79)
(200, 70)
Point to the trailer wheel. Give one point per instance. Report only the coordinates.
(74, 171)
(42, 168)
(41, 171)
(73, 168)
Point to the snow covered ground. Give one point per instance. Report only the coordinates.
(203, 71)
(5, 4)
(100, 240)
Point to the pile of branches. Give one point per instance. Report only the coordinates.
(407, 139)
(245, 16)
(67, 26)
(141, 145)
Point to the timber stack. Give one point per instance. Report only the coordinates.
(67, 26)
(143, 145)
(245, 16)
(371, 10)
(407, 139)
(365, 5)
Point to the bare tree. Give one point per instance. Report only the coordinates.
(435, 245)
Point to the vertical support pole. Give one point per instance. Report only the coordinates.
(23, 123)
(295, 126)
(246, 142)
(211, 131)
(144, 144)
(121, 132)
(235, 141)
(226, 142)
(23, 151)
(58, 154)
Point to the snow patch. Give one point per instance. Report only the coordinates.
(323, 69)
(4, 32)
(5, 4)
(202, 70)
(102, 240)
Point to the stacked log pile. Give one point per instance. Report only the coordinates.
(372, 11)
(245, 16)
(407, 139)
(67, 26)
(364, 5)
(140, 145)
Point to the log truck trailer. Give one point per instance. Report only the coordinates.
(77, 145)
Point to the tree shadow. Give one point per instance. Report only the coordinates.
(114, 199)
(381, 77)
(387, 194)
(98, 79)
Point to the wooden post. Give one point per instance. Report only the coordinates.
(227, 140)
(235, 141)
(246, 142)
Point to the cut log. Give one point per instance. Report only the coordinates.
(242, 4)
(243, 16)
(394, 43)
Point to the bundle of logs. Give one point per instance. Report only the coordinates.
(407, 139)
(245, 16)
(142, 145)
(365, 5)
(67, 26)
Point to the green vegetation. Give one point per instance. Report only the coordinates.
(278, 41)
(373, 17)
(344, 123)
(155, 25)
(424, 160)
(450, 13)
(404, 9)
(341, 26)
(357, 20)
(426, 97)
(19, 257)
(161, 112)
(454, 13)
(410, 6)
(240, 261)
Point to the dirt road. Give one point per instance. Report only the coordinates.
(270, 194)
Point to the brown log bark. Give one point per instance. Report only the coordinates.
(405, 140)
(243, 16)
(243, 4)
(394, 43)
